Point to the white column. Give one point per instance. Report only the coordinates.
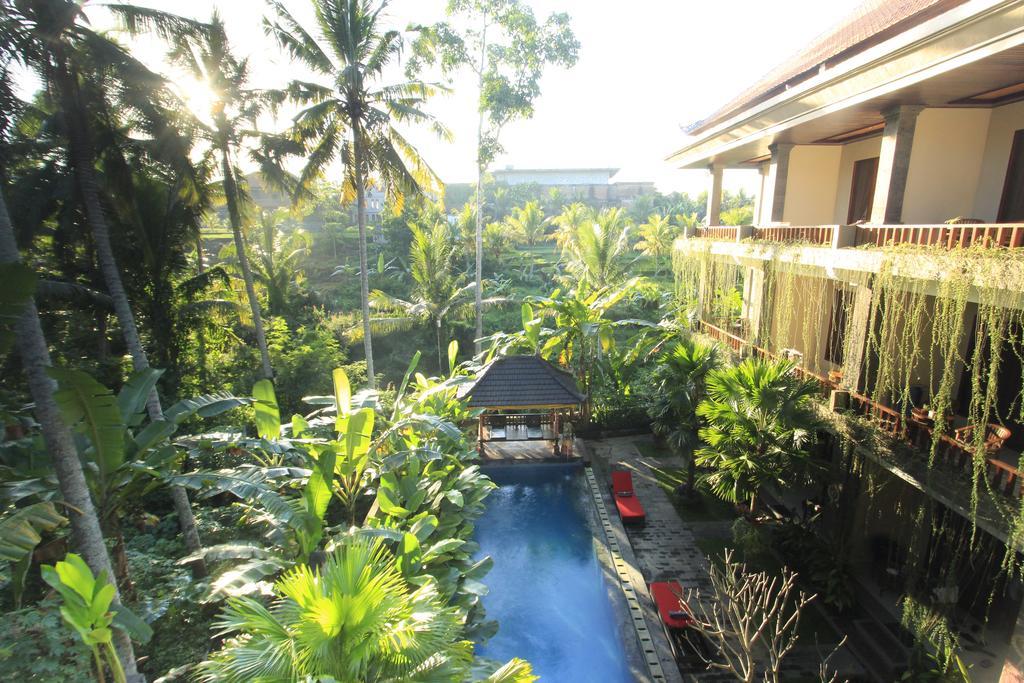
(778, 174)
(894, 163)
(714, 195)
(759, 201)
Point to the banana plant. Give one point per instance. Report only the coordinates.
(21, 531)
(87, 608)
(124, 456)
(291, 502)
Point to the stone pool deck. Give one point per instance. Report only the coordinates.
(665, 548)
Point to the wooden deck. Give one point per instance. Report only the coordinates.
(535, 451)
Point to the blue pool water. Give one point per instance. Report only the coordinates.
(546, 588)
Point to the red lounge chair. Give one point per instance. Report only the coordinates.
(630, 509)
(676, 618)
(673, 610)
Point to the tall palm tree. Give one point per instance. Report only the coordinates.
(438, 293)
(528, 221)
(760, 425)
(678, 387)
(596, 252)
(354, 619)
(233, 113)
(55, 39)
(87, 536)
(656, 237)
(352, 119)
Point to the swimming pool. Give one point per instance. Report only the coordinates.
(546, 587)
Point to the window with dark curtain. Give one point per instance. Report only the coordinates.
(1011, 208)
(862, 194)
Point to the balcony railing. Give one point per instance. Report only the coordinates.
(948, 236)
(1003, 477)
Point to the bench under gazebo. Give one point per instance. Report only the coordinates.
(525, 398)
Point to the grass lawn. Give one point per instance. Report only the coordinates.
(705, 507)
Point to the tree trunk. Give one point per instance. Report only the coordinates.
(364, 274)
(480, 168)
(235, 216)
(85, 526)
(201, 330)
(440, 363)
(112, 530)
(82, 160)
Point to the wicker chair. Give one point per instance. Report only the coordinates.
(995, 436)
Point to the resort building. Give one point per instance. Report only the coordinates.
(886, 259)
(592, 184)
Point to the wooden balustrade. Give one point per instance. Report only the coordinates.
(947, 235)
(815, 234)
(718, 334)
(718, 232)
(950, 236)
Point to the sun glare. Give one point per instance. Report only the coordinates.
(198, 96)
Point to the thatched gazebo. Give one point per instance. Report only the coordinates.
(524, 398)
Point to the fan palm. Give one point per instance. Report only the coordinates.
(353, 118)
(528, 221)
(656, 236)
(438, 293)
(354, 619)
(760, 426)
(678, 387)
(596, 252)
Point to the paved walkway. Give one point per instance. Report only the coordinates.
(666, 546)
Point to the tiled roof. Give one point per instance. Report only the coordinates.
(520, 381)
(869, 24)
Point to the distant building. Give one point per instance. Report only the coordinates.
(591, 184)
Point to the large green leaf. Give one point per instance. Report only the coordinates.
(20, 532)
(342, 398)
(92, 409)
(126, 620)
(207, 405)
(268, 416)
(131, 400)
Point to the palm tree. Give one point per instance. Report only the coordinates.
(354, 619)
(233, 113)
(568, 222)
(528, 221)
(596, 252)
(352, 118)
(760, 425)
(277, 259)
(35, 357)
(678, 387)
(656, 237)
(55, 40)
(438, 294)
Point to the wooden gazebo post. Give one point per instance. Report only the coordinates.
(556, 428)
(480, 435)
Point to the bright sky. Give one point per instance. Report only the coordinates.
(645, 68)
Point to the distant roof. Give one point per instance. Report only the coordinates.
(609, 171)
(523, 382)
(869, 24)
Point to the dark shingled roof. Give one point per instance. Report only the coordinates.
(869, 24)
(523, 381)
